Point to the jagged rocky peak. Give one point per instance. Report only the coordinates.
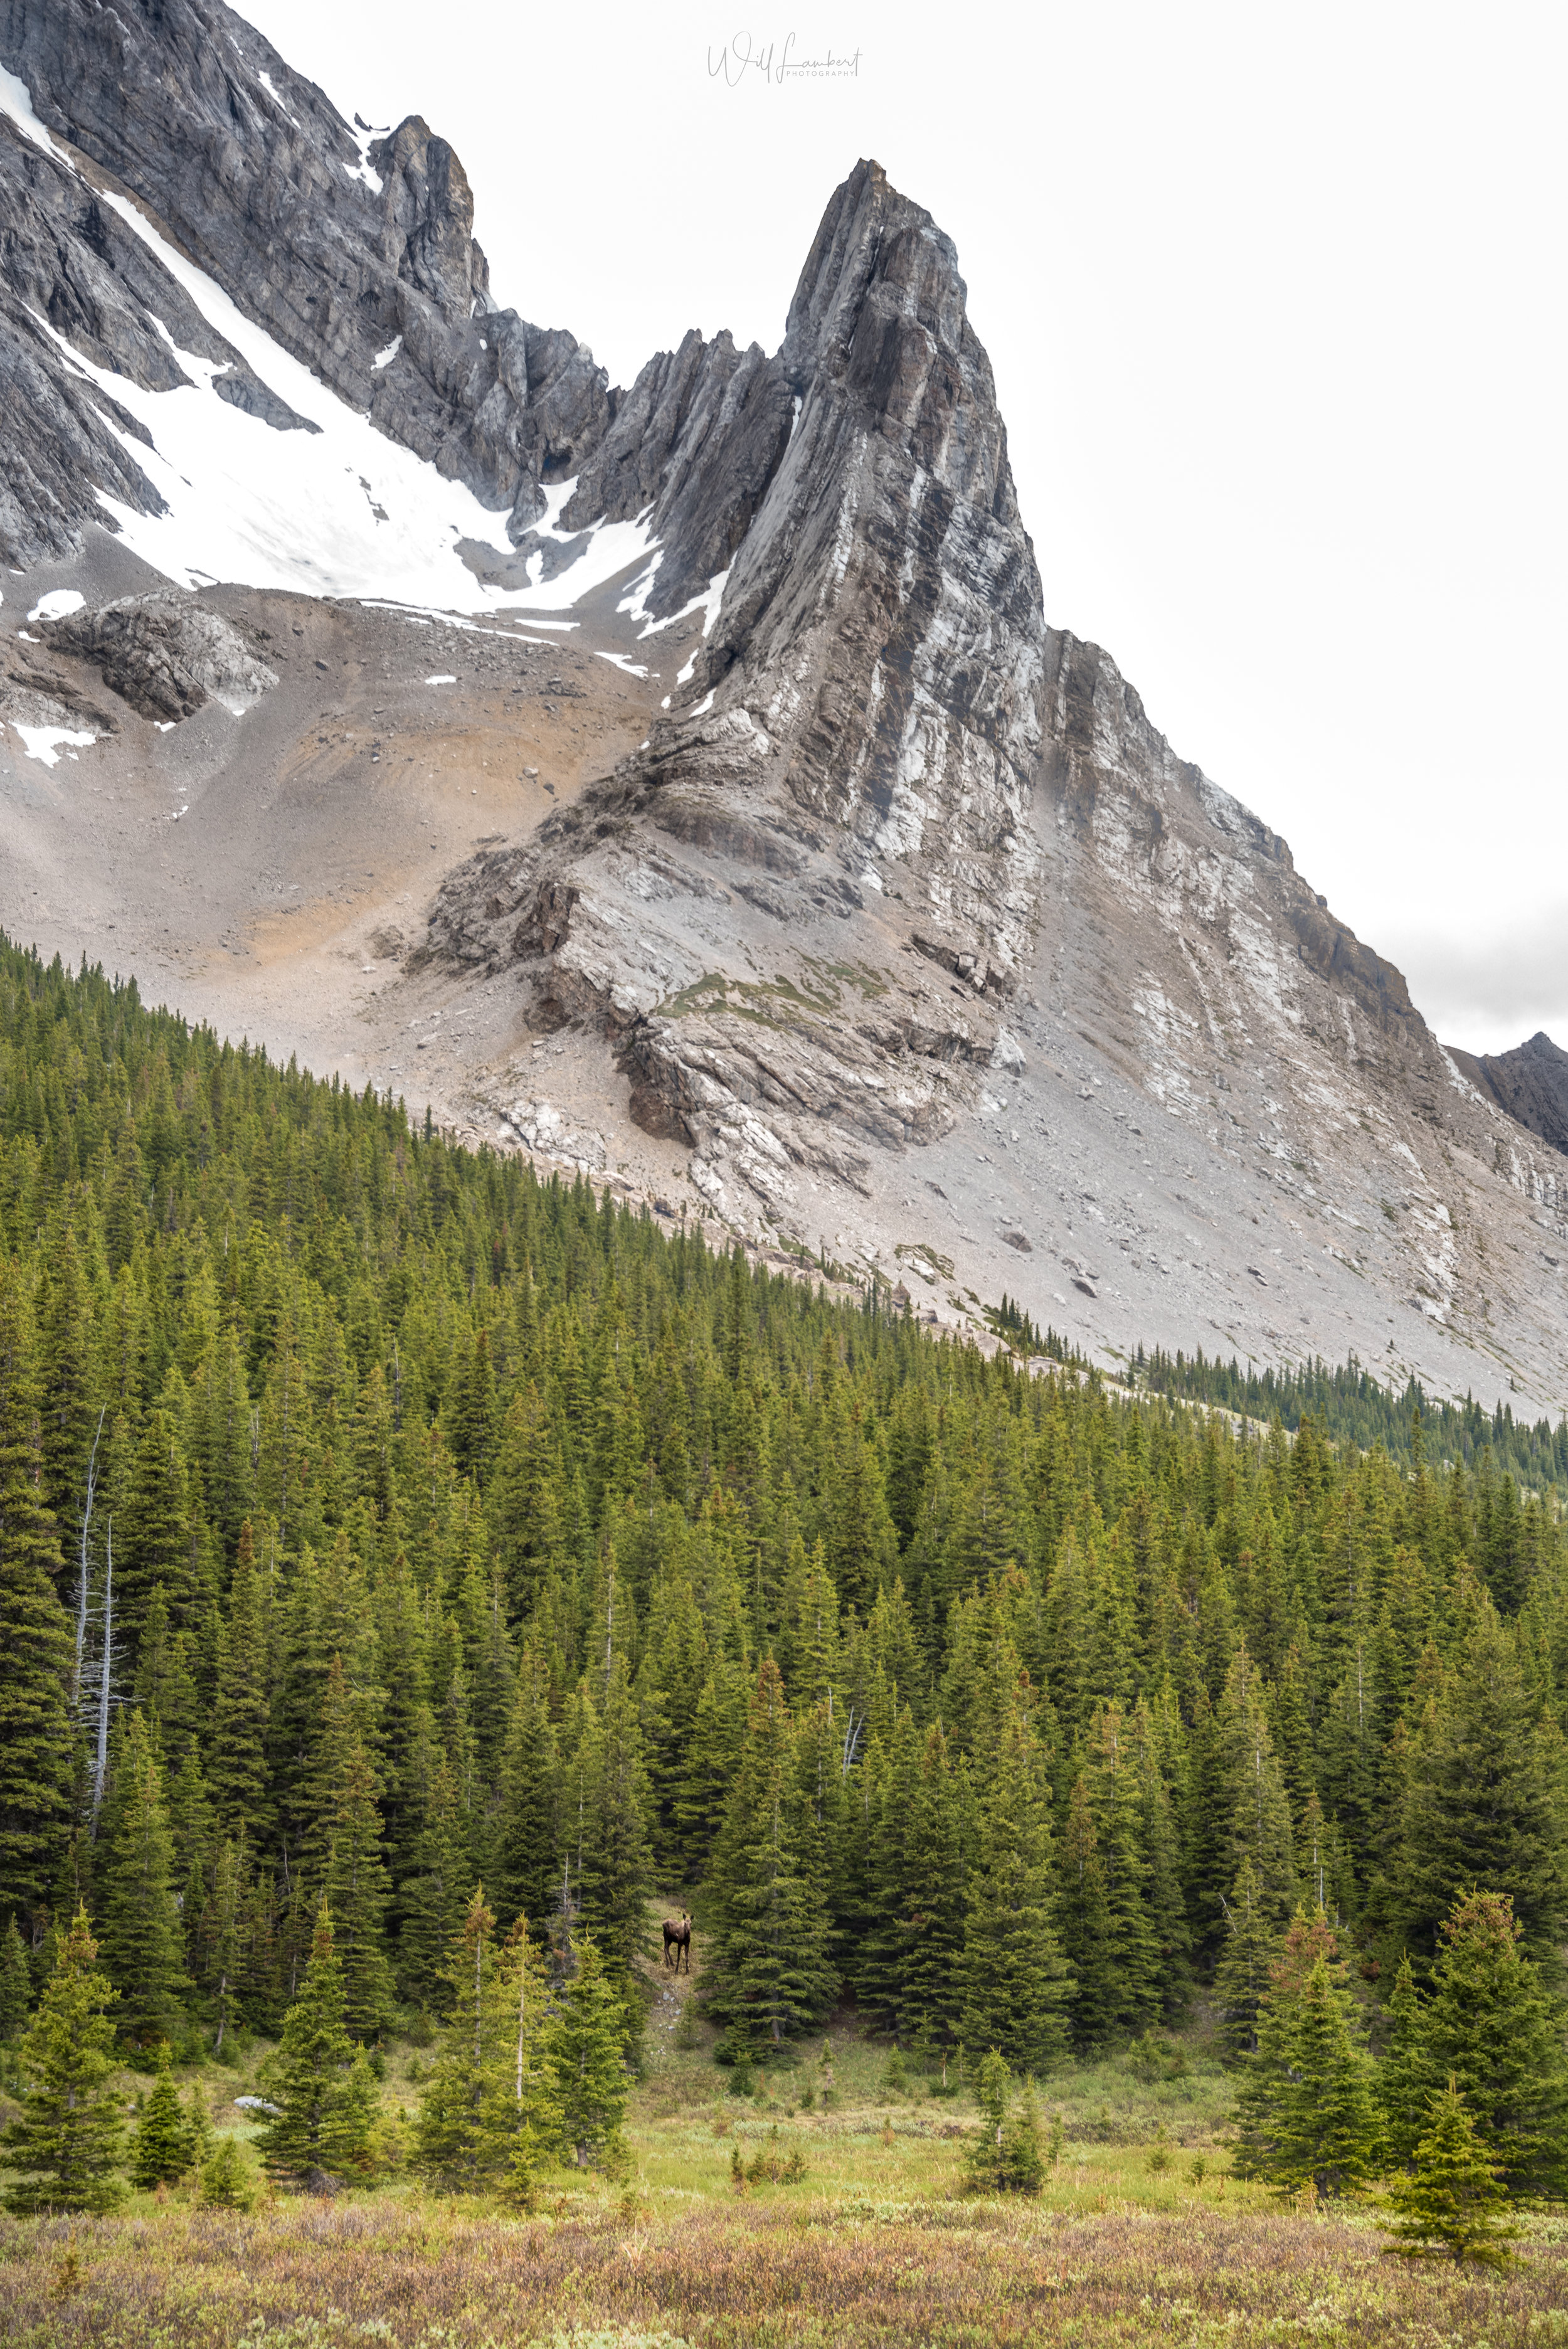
(356, 251)
(858, 743)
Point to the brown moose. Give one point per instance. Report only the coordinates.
(679, 1939)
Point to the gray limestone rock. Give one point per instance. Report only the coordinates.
(900, 855)
(1531, 1083)
(340, 248)
(861, 741)
(165, 655)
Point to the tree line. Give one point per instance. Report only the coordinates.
(1349, 1405)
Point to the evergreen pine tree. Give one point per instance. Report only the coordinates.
(769, 1971)
(318, 2078)
(143, 1943)
(528, 1794)
(1404, 2078)
(221, 1934)
(614, 1883)
(1453, 2205)
(433, 1897)
(1333, 2129)
(1016, 1982)
(719, 1734)
(481, 2113)
(199, 2121)
(162, 2144)
(931, 1912)
(1114, 1797)
(1491, 2029)
(1306, 2110)
(354, 1870)
(522, 2019)
(1483, 1808)
(1250, 1807)
(1083, 1917)
(65, 2145)
(858, 1534)
(237, 1770)
(228, 2182)
(16, 1985)
(585, 2064)
(1242, 1977)
(36, 1646)
(1004, 2158)
(152, 1528)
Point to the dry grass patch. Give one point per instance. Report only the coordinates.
(878, 2245)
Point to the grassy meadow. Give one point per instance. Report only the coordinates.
(1142, 2235)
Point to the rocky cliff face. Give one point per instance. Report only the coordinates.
(1531, 1083)
(355, 251)
(901, 877)
(801, 908)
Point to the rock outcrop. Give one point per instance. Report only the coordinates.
(356, 253)
(1531, 1083)
(801, 908)
(35, 691)
(166, 655)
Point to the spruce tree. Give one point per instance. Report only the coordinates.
(1004, 2158)
(858, 1534)
(357, 1892)
(152, 1528)
(228, 2182)
(1453, 2205)
(162, 2144)
(1132, 1997)
(769, 1971)
(1404, 2078)
(36, 1646)
(1333, 2129)
(1484, 1808)
(483, 2115)
(1242, 1977)
(237, 1769)
(1016, 1982)
(433, 1896)
(318, 2079)
(1247, 1800)
(616, 1863)
(1083, 1918)
(1491, 2028)
(16, 1985)
(521, 2023)
(221, 1935)
(931, 1912)
(1306, 2109)
(143, 1943)
(66, 2143)
(585, 2065)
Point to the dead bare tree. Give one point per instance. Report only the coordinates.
(100, 1761)
(83, 1574)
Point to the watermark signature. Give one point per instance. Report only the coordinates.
(777, 62)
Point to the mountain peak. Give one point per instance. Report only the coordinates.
(873, 915)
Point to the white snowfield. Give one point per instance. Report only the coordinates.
(46, 742)
(339, 511)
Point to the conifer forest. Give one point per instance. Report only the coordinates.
(416, 1578)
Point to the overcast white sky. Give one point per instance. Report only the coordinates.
(1274, 298)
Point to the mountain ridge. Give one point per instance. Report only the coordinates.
(891, 854)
